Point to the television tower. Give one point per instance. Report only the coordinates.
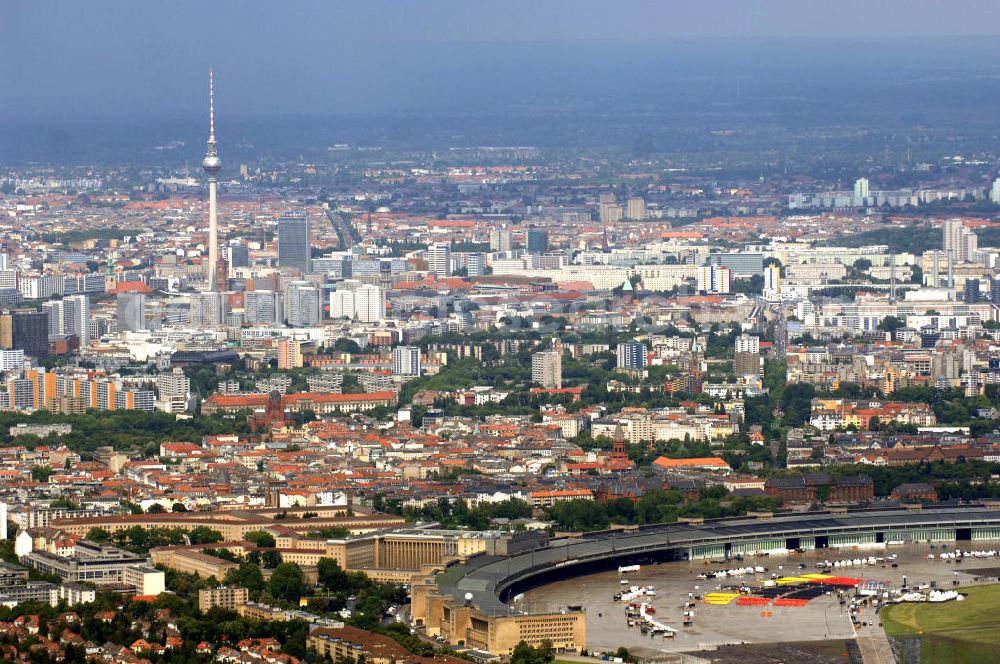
(212, 165)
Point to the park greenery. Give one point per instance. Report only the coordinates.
(950, 633)
(657, 506)
(140, 540)
(122, 429)
(457, 513)
(912, 239)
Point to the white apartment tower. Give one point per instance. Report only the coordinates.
(546, 369)
(342, 304)
(369, 303)
(861, 193)
(406, 361)
(959, 242)
(302, 304)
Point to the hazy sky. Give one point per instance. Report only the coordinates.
(88, 59)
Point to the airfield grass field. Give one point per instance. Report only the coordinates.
(951, 632)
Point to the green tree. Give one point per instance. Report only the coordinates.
(42, 473)
(581, 515)
(247, 575)
(287, 582)
(204, 535)
(345, 345)
(261, 538)
(525, 654)
(891, 324)
(331, 576)
(96, 534)
(796, 401)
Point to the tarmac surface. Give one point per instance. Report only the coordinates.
(822, 618)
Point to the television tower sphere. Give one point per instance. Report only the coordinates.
(211, 164)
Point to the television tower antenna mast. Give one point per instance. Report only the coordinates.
(211, 164)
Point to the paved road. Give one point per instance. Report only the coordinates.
(342, 226)
(872, 641)
(876, 649)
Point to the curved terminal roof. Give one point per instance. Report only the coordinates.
(486, 577)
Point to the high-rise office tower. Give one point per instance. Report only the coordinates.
(406, 361)
(293, 241)
(238, 255)
(302, 304)
(500, 239)
(994, 193)
(262, 307)
(27, 331)
(55, 312)
(631, 355)
(131, 312)
(747, 355)
(211, 164)
(995, 289)
(439, 258)
(772, 280)
(636, 208)
(546, 369)
(475, 265)
(205, 310)
(971, 291)
(369, 303)
(76, 317)
(70, 315)
(537, 240)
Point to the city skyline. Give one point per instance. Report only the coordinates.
(515, 333)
